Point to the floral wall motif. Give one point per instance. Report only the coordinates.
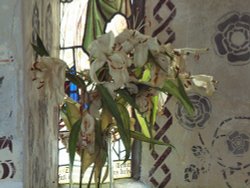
(202, 108)
(212, 147)
(232, 38)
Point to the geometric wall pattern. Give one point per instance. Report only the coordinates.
(212, 147)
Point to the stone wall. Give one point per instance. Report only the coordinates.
(28, 121)
(40, 17)
(212, 148)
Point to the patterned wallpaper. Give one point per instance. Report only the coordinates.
(212, 147)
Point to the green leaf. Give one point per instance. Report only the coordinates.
(99, 12)
(140, 136)
(178, 91)
(70, 112)
(155, 101)
(73, 138)
(127, 97)
(143, 123)
(39, 48)
(77, 80)
(146, 76)
(126, 120)
(99, 163)
(111, 105)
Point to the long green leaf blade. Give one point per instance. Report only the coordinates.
(140, 136)
(178, 91)
(111, 105)
(73, 138)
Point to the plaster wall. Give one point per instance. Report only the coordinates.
(212, 148)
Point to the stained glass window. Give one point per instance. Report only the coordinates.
(73, 21)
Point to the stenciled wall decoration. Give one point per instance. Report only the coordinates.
(7, 169)
(6, 142)
(6, 56)
(202, 108)
(7, 166)
(232, 38)
(159, 174)
(161, 13)
(231, 149)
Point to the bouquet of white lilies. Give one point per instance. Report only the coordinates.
(128, 74)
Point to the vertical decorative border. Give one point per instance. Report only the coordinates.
(159, 158)
(164, 22)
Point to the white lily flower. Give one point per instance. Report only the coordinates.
(140, 54)
(158, 76)
(95, 104)
(102, 46)
(94, 67)
(87, 136)
(50, 73)
(204, 81)
(118, 68)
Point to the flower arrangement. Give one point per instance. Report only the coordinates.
(129, 75)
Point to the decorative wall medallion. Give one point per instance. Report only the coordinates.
(201, 162)
(6, 142)
(160, 165)
(231, 142)
(163, 21)
(7, 169)
(202, 108)
(238, 143)
(230, 146)
(232, 38)
(48, 28)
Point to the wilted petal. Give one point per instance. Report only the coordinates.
(153, 45)
(118, 69)
(51, 73)
(143, 102)
(95, 104)
(204, 81)
(102, 46)
(94, 67)
(88, 123)
(124, 36)
(158, 76)
(141, 54)
(87, 136)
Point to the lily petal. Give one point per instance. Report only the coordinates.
(204, 81)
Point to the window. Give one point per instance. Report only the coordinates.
(73, 20)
